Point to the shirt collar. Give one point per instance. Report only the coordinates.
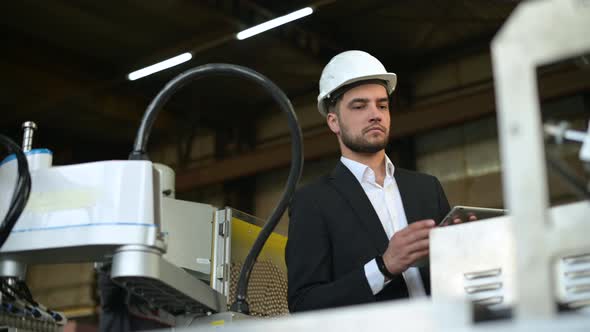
(363, 172)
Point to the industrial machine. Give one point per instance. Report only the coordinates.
(174, 255)
(529, 270)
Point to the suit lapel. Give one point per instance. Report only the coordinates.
(405, 191)
(411, 209)
(349, 187)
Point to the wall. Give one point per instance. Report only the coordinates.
(465, 157)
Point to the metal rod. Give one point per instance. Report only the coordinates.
(29, 130)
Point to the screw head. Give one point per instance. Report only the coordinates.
(30, 124)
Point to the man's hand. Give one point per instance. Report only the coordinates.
(408, 246)
(471, 217)
(458, 220)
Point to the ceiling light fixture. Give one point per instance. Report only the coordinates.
(274, 23)
(184, 57)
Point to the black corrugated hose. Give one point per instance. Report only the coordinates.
(220, 69)
(21, 190)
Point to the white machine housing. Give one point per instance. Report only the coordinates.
(160, 247)
(92, 207)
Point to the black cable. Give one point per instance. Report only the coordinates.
(18, 203)
(9, 296)
(25, 292)
(21, 191)
(141, 140)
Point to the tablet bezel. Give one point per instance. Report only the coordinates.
(464, 212)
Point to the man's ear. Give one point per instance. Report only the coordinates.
(333, 123)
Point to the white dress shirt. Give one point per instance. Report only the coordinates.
(387, 202)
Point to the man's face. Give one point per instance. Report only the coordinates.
(363, 120)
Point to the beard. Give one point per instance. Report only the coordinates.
(360, 144)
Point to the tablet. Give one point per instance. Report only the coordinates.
(464, 212)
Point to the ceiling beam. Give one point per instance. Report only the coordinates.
(421, 118)
(58, 82)
(224, 32)
(450, 53)
(50, 84)
(59, 87)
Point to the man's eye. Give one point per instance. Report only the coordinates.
(384, 107)
(357, 107)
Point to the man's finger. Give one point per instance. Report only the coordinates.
(418, 246)
(413, 227)
(422, 234)
(410, 236)
(427, 223)
(415, 256)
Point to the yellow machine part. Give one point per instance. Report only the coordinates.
(267, 289)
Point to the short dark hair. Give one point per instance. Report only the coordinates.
(331, 103)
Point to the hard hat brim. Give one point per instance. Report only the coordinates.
(389, 78)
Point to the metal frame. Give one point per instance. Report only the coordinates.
(221, 252)
(458, 271)
(537, 33)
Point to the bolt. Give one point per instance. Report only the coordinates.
(29, 129)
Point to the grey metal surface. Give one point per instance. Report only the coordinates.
(476, 261)
(214, 320)
(569, 230)
(473, 261)
(29, 128)
(374, 319)
(221, 255)
(571, 254)
(423, 316)
(80, 213)
(166, 179)
(144, 272)
(537, 33)
(82, 253)
(419, 315)
(188, 231)
(12, 268)
(574, 280)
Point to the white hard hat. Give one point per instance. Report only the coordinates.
(350, 67)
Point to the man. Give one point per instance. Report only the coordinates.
(355, 234)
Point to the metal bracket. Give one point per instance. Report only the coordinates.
(221, 253)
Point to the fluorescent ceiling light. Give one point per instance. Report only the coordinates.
(274, 23)
(184, 57)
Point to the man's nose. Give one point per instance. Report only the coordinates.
(375, 113)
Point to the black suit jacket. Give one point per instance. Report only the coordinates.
(334, 231)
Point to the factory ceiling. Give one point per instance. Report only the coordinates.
(65, 63)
